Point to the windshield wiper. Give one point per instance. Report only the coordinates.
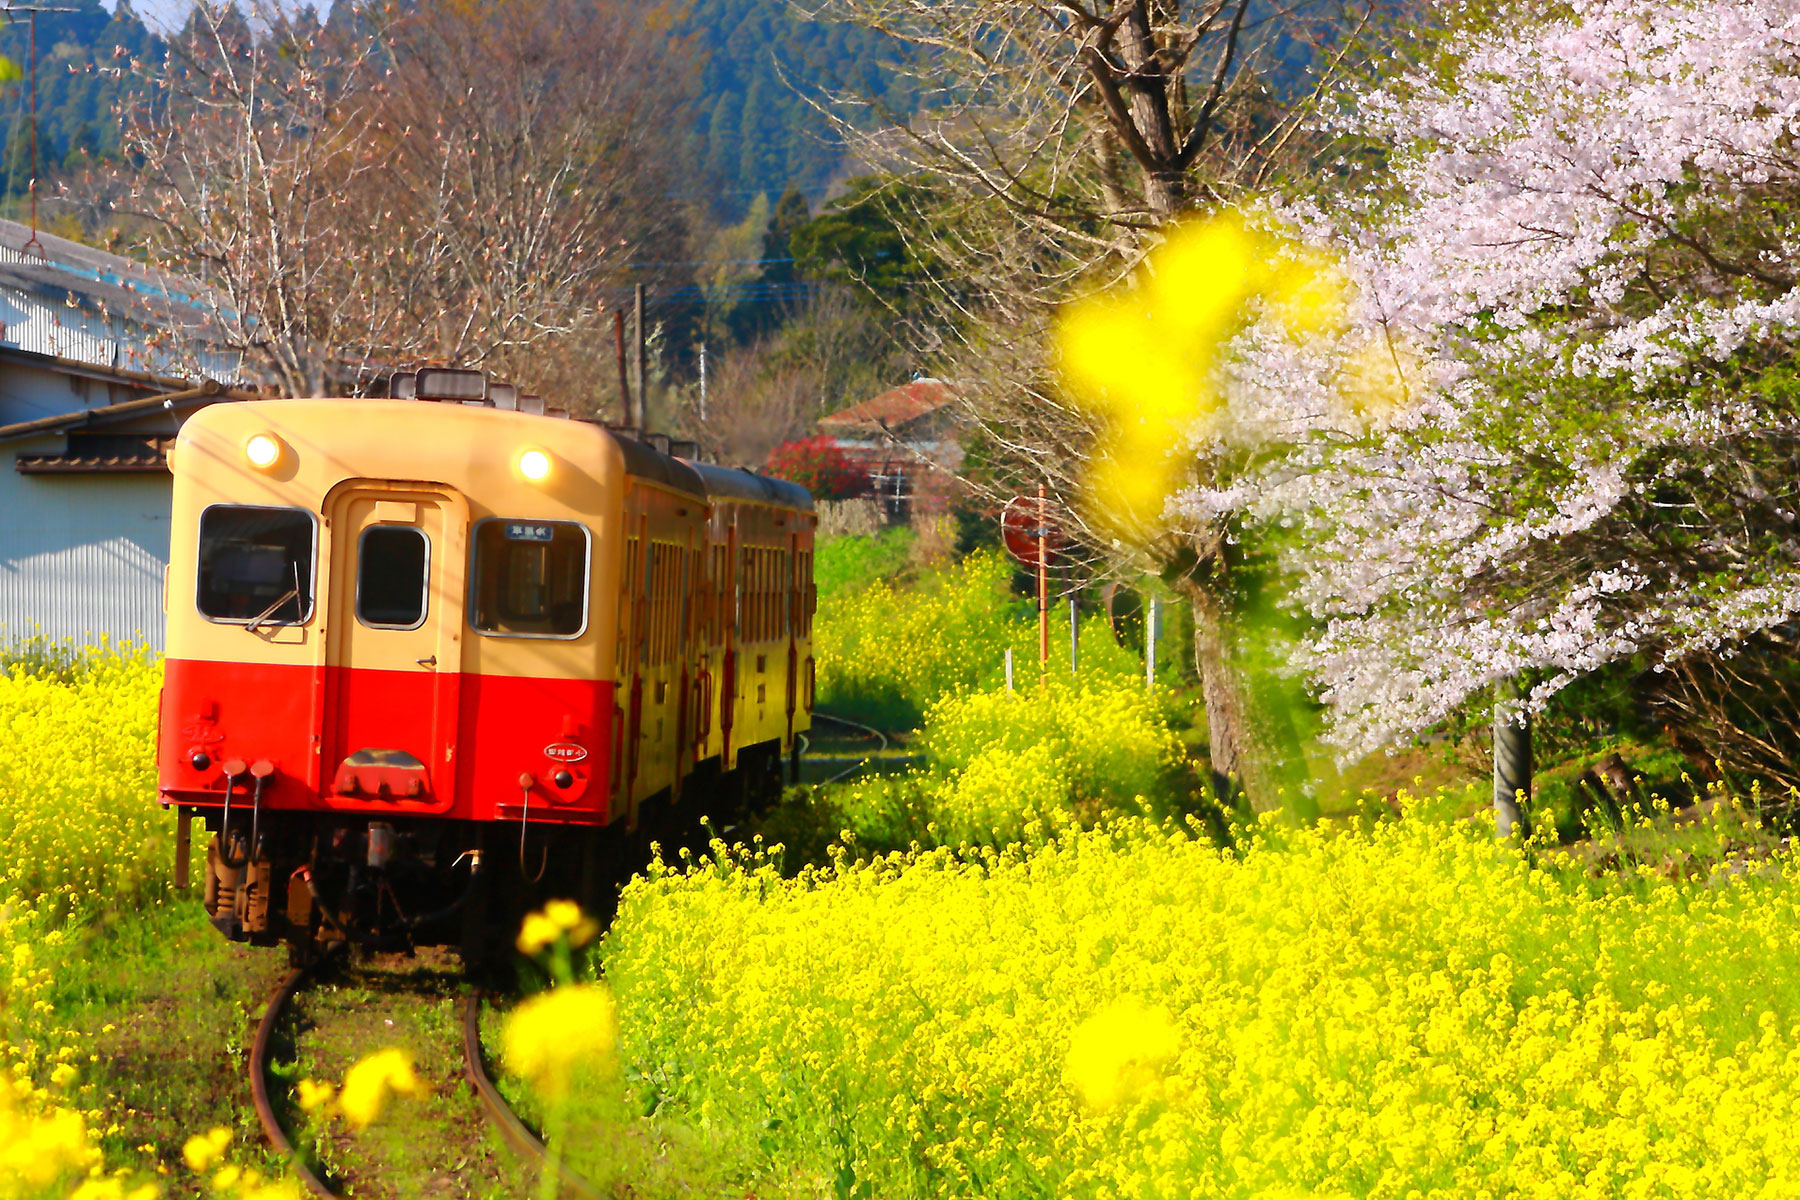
(257, 621)
(292, 593)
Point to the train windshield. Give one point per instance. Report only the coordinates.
(530, 578)
(256, 565)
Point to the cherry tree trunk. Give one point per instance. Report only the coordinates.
(1239, 759)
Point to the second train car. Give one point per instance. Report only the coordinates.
(432, 661)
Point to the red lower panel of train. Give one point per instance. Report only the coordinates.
(399, 743)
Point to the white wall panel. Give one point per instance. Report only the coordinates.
(82, 555)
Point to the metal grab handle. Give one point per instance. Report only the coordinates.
(255, 815)
(225, 858)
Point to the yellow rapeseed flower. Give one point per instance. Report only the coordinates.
(1144, 356)
(559, 918)
(369, 1083)
(203, 1149)
(313, 1095)
(553, 1034)
(112, 1187)
(537, 934)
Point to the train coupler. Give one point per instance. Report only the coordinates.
(237, 897)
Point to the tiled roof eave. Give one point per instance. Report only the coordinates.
(64, 464)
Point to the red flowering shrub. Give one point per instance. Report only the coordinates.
(819, 465)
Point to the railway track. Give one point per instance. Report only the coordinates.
(866, 731)
(524, 1142)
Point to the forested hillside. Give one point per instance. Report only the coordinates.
(81, 56)
(754, 132)
(757, 132)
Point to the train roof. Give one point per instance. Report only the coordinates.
(707, 479)
(646, 462)
(728, 483)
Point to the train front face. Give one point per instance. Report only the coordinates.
(390, 631)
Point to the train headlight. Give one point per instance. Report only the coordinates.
(263, 450)
(534, 465)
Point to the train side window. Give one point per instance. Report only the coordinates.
(392, 564)
(530, 578)
(256, 564)
(659, 602)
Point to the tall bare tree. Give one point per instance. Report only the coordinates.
(242, 158)
(459, 181)
(1057, 140)
(530, 148)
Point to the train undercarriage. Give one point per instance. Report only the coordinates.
(315, 880)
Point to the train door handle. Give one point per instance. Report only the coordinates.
(430, 660)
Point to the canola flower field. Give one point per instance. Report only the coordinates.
(1094, 1000)
(886, 651)
(1001, 767)
(79, 831)
(1400, 1010)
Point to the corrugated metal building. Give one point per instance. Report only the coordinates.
(89, 401)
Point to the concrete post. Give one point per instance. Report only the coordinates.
(1152, 617)
(1074, 637)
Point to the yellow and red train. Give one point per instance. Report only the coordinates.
(431, 663)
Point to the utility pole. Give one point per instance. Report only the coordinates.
(1043, 582)
(637, 396)
(626, 409)
(703, 381)
(32, 245)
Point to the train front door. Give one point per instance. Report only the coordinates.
(393, 645)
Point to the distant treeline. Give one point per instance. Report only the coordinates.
(753, 133)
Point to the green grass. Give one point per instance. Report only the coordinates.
(164, 1009)
(846, 565)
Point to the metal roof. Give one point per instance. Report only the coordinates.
(207, 393)
(98, 279)
(730, 484)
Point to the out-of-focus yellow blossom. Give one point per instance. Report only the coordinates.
(370, 1081)
(559, 918)
(552, 1035)
(312, 1095)
(39, 1147)
(112, 1187)
(204, 1149)
(1120, 1052)
(1144, 355)
(537, 934)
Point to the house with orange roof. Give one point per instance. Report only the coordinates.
(909, 440)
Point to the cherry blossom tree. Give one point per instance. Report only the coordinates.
(1562, 429)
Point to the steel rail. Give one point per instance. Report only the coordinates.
(524, 1142)
(259, 1082)
(853, 768)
